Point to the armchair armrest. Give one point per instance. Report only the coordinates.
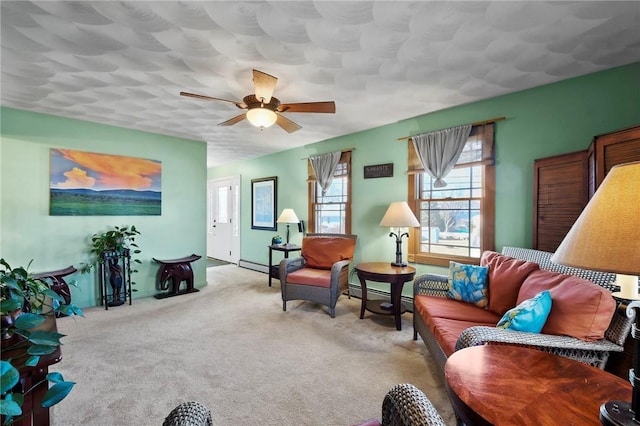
(288, 266)
(405, 405)
(340, 273)
(431, 285)
(593, 353)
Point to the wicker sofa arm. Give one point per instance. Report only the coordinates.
(593, 353)
(406, 405)
(431, 285)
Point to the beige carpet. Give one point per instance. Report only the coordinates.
(231, 347)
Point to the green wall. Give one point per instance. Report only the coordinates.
(540, 122)
(54, 242)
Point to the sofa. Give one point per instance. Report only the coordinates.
(584, 323)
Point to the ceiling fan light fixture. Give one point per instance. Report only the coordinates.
(261, 117)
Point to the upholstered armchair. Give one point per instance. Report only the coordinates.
(321, 273)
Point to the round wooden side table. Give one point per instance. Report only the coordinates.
(504, 385)
(383, 272)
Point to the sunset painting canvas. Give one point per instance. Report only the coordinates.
(91, 184)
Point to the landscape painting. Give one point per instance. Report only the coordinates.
(91, 184)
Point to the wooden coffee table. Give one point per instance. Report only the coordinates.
(510, 385)
(383, 272)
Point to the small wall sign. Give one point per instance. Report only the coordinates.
(378, 171)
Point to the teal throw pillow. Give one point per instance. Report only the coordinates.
(530, 315)
(468, 283)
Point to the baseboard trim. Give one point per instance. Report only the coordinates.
(253, 266)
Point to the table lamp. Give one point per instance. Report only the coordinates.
(399, 215)
(606, 237)
(288, 216)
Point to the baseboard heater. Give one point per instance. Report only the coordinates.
(356, 291)
(253, 266)
(407, 302)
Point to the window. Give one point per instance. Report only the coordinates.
(331, 213)
(457, 221)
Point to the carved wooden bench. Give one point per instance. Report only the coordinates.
(55, 280)
(173, 272)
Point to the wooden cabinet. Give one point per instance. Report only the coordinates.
(609, 150)
(560, 195)
(563, 184)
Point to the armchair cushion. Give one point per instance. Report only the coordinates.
(323, 252)
(310, 276)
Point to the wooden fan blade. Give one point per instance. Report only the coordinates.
(287, 124)
(234, 120)
(239, 104)
(327, 107)
(264, 85)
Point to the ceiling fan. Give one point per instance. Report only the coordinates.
(264, 109)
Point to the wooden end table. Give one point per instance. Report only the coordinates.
(512, 385)
(383, 272)
(286, 249)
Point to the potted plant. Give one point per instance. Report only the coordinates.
(119, 239)
(277, 239)
(23, 302)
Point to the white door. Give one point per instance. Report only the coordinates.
(220, 219)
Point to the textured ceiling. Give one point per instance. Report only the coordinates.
(124, 63)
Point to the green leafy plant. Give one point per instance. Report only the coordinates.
(23, 301)
(118, 239)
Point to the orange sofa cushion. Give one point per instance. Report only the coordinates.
(506, 275)
(447, 318)
(579, 308)
(440, 307)
(310, 276)
(446, 331)
(323, 252)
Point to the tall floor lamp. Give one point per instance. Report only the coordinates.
(399, 215)
(288, 216)
(606, 237)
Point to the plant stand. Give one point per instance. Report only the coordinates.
(115, 278)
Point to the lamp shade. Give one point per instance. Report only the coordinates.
(288, 216)
(261, 117)
(399, 215)
(606, 235)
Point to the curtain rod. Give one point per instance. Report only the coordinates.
(477, 123)
(342, 150)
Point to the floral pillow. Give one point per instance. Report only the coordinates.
(468, 283)
(530, 315)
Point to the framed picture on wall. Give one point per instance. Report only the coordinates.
(94, 184)
(264, 193)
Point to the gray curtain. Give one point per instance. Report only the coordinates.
(438, 151)
(324, 166)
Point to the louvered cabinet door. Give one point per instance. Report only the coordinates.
(560, 194)
(610, 150)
